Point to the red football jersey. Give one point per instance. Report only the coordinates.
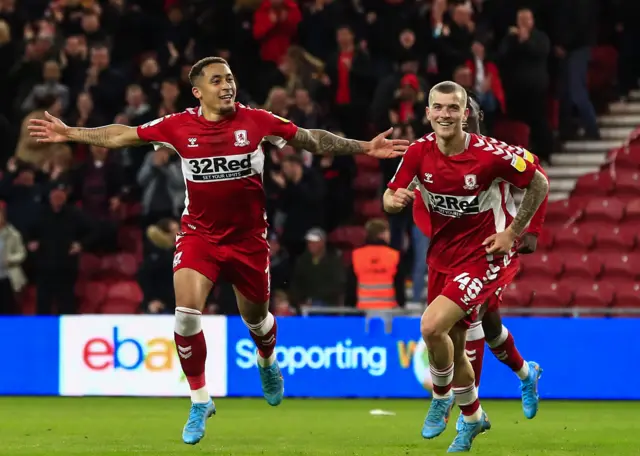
(463, 193)
(222, 164)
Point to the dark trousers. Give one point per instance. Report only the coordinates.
(7, 298)
(573, 92)
(55, 288)
(629, 59)
(530, 107)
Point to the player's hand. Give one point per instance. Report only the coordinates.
(528, 243)
(402, 197)
(48, 130)
(381, 147)
(500, 243)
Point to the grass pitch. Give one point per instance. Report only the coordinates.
(126, 426)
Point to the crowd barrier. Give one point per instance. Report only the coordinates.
(319, 356)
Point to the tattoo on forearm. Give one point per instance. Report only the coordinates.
(533, 196)
(323, 142)
(110, 136)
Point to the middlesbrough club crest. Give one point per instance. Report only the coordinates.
(241, 138)
(470, 182)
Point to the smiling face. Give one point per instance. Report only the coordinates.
(447, 111)
(215, 87)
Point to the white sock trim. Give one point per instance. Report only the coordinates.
(475, 332)
(262, 328)
(200, 396)
(266, 362)
(523, 373)
(187, 322)
(500, 339)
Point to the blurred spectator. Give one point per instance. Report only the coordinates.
(281, 306)
(338, 173)
(156, 273)
(58, 167)
(575, 33)
(50, 87)
(12, 255)
(524, 54)
(105, 84)
(137, 110)
(56, 240)
(487, 84)
(301, 200)
(408, 109)
(318, 27)
(305, 113)
(275, 24)
(97, 185)
(277, 102)
(74, 62)
(18, 188)
(453, 37)
(28, 149)
(376, 280)
(85, 115)
(8, 56)
(279, 264)
(169, 93)
(350, 78)
(319, 275)
(150, 79)
(160, 178)
(627, 21)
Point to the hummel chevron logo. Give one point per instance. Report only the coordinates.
(185, 352)
(270, 341)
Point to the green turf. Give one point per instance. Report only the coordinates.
(124, 426)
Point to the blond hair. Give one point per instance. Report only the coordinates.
(448, 87)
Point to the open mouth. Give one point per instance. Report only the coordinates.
(227, 97)
(445, 124)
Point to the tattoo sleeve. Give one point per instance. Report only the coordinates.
(323, 142)
(111, 136)
(533, 196)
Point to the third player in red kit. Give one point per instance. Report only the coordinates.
(224, 223)
(471, 253)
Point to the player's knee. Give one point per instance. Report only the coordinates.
(431, 328)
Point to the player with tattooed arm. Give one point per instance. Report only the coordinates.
(224, 227)
(471, 254)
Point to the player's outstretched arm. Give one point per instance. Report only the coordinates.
(326, 143)
(53, 130)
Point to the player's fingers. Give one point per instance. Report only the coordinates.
(37, 123)
(387, 133)
(489, 240)
(395, 154)
(43, 140)
(400, 142)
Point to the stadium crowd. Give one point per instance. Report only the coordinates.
(353, 67)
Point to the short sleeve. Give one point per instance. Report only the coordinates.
(511, 167)
(408, 168)
(157, 131)
(278, 130)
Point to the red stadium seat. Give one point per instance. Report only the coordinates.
(125, 265)
(130, 239)
(621, 268)
(607, 210)
(517, 294)
(596, 184)
(616, 239)
(127, 290)
(368, 182)
(348, 237)
(364, 162)
(581, 266)
(545, 240)
(368, 209)
(627, 185)
(632, 212)
(594, 295)
(628, 296)
(512, 132)
(575, 239)
(90, 266)
(551, 295)
(562, 212)
(627, 157)
(91, 296)
(119, 307)
(548, 266)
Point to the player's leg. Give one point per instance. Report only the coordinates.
(437, 320)
(193, 279)
(474, 349)
(248, 268)
(504, 348)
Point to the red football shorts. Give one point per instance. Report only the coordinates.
(471, 286)
(244, 264)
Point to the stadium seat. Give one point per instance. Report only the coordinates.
(91, 296)
(581, 266)
(547, 266)
(627, 157)
(573, 239)
(628, 296)
(125, 265)
(364, 162)
(119, 307)
(347, 257)
(595, 184)
(90, 266)
(551, 295)
(122, 296)
(348, 237)
(616, 239)
(562, 212)
(512, 132)
(545, 240)
(518, 294)
(368, 182)
(27, 300)
(632, 212)
(603, 210)
(621, 268)
(130, 239)
(627, 186)
(593, 295)
(368, 209)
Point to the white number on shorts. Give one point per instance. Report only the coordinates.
(176, 259)
(472, 287)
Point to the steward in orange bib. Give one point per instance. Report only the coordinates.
(378, 284)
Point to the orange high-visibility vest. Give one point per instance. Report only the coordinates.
(375, 267)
